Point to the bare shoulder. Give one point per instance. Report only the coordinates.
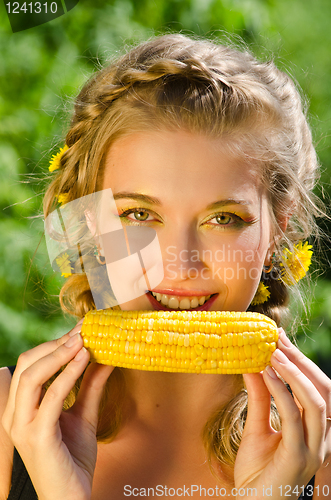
(6, 446)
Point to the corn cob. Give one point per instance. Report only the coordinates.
(181, 341)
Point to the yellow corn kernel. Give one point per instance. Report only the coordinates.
(181, 341)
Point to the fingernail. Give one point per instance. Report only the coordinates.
(280, 356)
(280, 344)
(271, 372)
(80, 354)
(73, 340)
(73, 332)
(285, 340)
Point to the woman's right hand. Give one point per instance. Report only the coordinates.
(58, 448)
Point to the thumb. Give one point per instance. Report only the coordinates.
(90, 392)
(259, 398)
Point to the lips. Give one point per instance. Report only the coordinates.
(160, 307)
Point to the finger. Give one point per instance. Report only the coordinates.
(29, 357)
(25, 360)
(292, 429)
(258, 415)
(314, 416)
(52, 405)
(76, 329)
(89, 396)
(32, 379)
(320, 380)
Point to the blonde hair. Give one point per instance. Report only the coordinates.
(177, 82)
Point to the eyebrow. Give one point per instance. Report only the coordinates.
(229, 201)
(150, 200)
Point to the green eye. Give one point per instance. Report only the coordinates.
(223, 219)
(139, 215)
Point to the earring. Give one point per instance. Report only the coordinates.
(268, 269)
(100, 258)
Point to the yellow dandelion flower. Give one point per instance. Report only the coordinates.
(54, 163)
(63, 198)
(296, 263)
(66, 275)
(262, 294)
(64, 264)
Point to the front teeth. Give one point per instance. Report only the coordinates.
(175, 303)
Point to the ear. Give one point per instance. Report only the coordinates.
(275, 238)
(271, 249)
(90, 221)
(284, 222)
(91, 224)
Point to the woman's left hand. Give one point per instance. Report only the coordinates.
(286, 460)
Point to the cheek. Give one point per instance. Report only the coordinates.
(239, 271)
(247, 250)
(238, 279)
(238, 263)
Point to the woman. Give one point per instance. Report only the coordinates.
(211, 149)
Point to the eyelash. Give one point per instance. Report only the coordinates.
(238, 220)
(123, 215)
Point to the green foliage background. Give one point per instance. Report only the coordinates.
(41, 70)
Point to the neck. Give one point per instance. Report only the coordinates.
(178, 402)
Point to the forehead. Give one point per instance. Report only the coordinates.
(180, 166)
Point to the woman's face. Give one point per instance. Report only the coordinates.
(208, 209)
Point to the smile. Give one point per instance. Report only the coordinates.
(168, 302)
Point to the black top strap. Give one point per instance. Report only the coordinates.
(21, 484)
(11, 369)
(308, 491)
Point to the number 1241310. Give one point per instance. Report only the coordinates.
(31, 7)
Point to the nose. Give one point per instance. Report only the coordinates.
(182, 255)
